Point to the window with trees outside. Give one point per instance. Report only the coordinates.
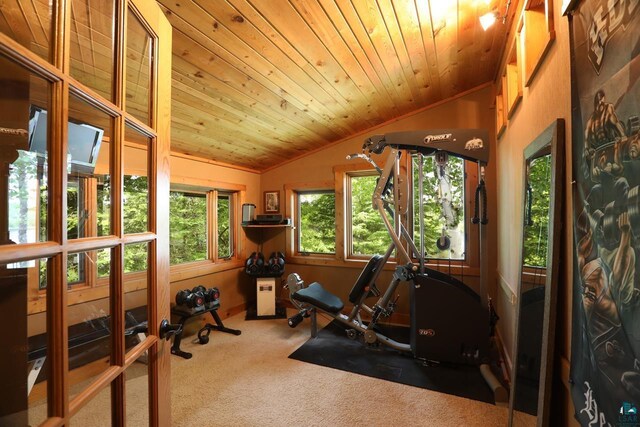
(225, 225)
(191, 212)
(368, 234)
(187, 227)
(316, 227)
(443, 199)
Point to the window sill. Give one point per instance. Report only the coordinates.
(456, 269)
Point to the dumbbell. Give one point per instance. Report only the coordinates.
(211, 295)
(276, 262)
(189, 298)
(255, 263)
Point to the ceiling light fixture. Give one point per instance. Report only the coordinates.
(490, 18)
(487, 20)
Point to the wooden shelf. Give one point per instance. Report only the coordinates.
(266, 225)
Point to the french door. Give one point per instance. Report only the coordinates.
(84, 204)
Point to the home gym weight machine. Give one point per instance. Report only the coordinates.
(450, 322)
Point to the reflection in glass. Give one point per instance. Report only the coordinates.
(136, 284)
(89, 318)
(537, 207)
(23, 155)
(23, 358)
(28, 23)
(139, 51)
(88, 181)
(532, 288)
(135, 201)
(92, 47)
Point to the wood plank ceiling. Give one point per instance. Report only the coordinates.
(258, 82)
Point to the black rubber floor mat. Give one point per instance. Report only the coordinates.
(332, 348)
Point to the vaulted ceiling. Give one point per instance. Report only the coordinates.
(257, 82)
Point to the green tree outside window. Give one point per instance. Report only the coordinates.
(317, 222)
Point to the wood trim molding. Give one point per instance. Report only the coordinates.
(213, 162)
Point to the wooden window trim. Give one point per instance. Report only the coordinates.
(468, 267)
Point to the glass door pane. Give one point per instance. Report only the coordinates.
(28, 23)
(137, 393)
(24, 102)
(88, 166)
(23, 359)
(95, 413)
(92, 47)
(135, 200)
(90, 324)
(136, 287)
(139, 56)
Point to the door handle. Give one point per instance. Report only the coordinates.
(167, 330)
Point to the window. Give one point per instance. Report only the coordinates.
(443, 206)
(188, 227)
(316, 225)
(225, 226)
(192, 223)
(368, 234)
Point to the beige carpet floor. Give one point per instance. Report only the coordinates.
(248, 380)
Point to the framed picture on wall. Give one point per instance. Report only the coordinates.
(271, 201)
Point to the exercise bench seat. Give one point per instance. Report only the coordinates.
(316, 295)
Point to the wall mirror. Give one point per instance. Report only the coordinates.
(535, 312)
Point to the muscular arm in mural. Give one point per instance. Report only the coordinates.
(622, 286)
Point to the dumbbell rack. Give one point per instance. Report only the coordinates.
(266, 279)
(187, 313)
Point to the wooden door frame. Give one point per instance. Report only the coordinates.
(56, 70)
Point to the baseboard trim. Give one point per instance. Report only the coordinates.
(507, 365)
(232, 311)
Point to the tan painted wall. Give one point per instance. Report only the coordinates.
(546, 99)
(469, 111)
